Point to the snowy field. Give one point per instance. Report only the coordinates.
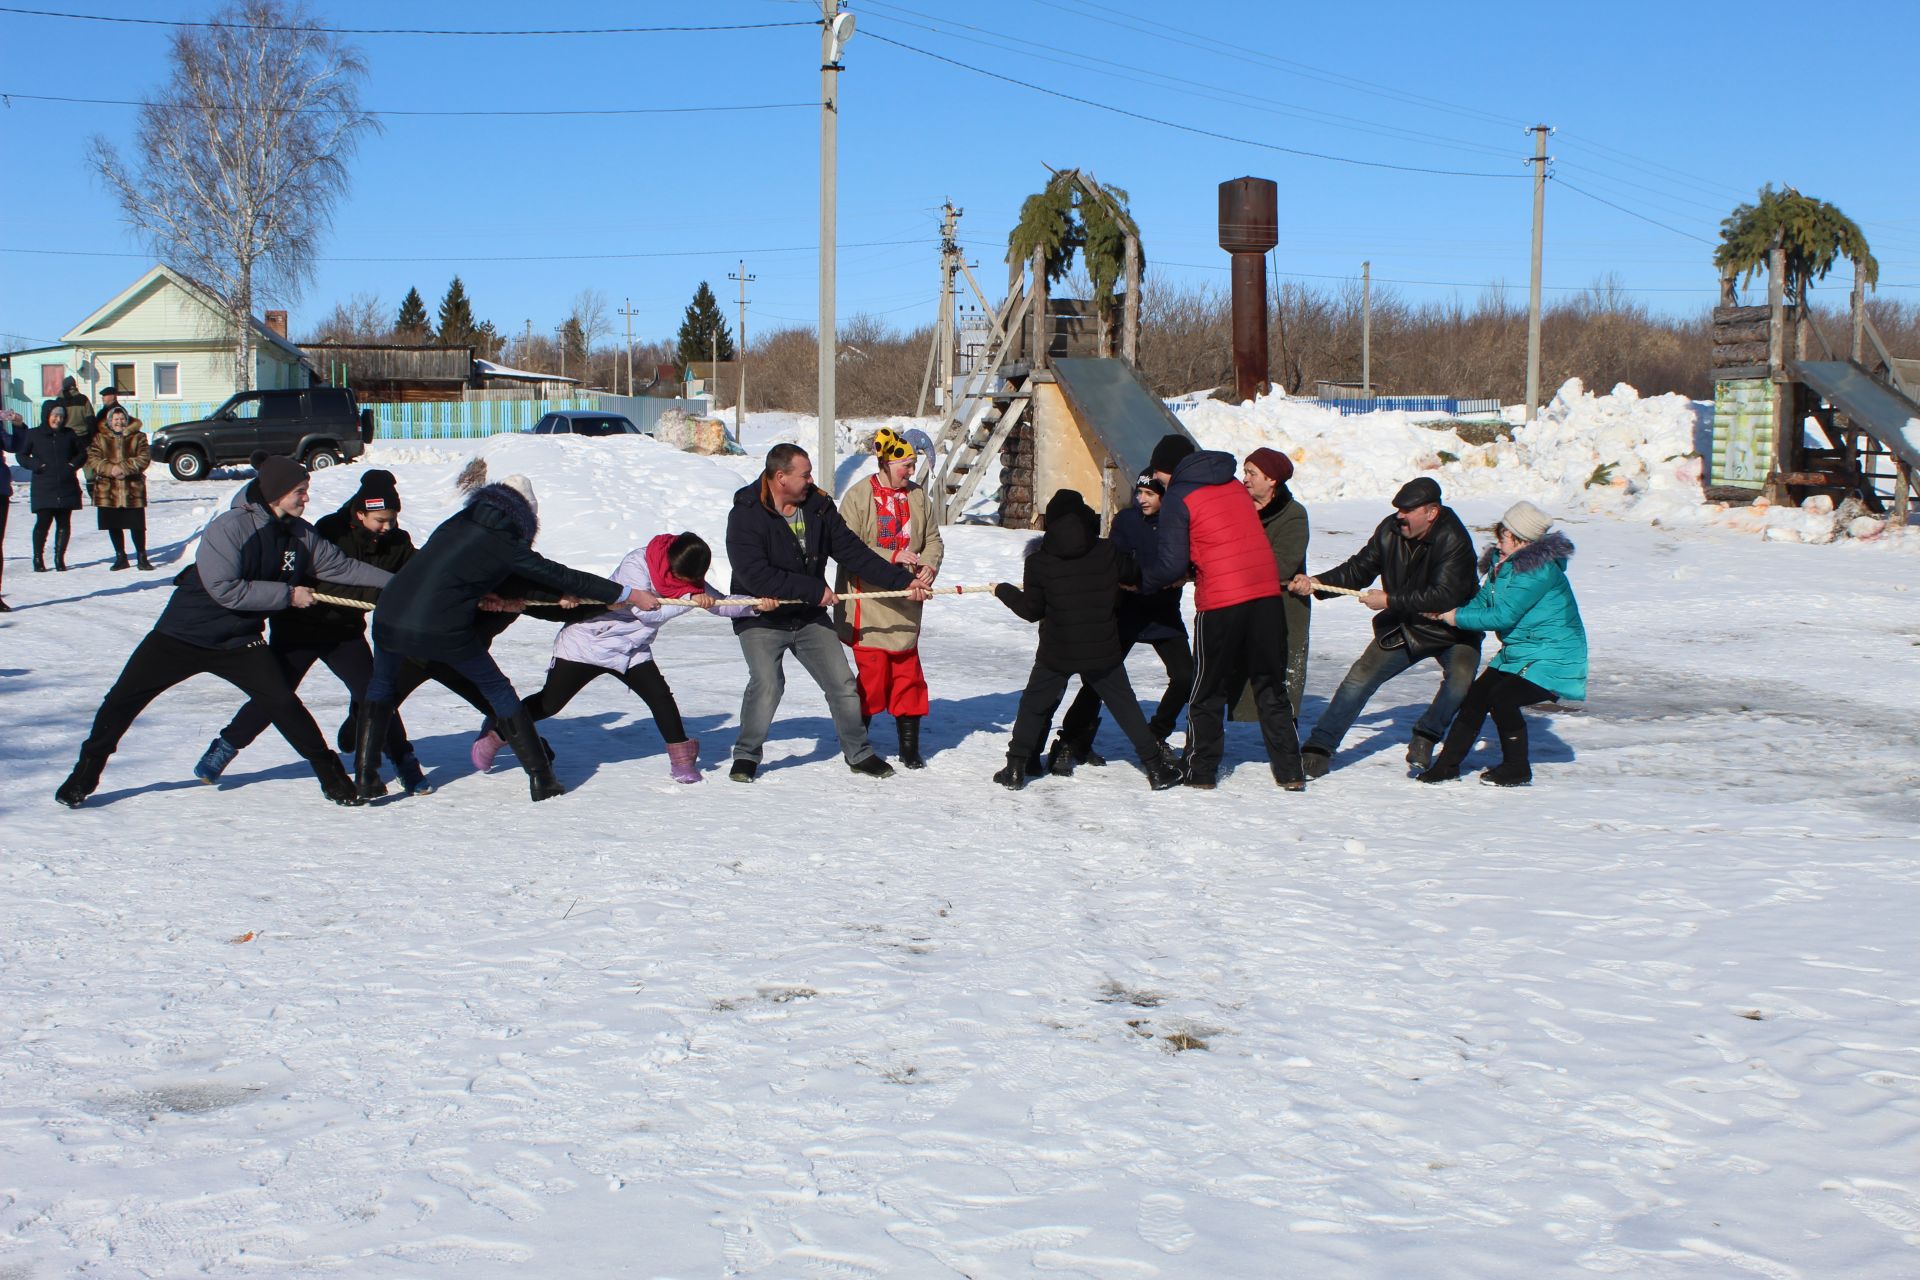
(1658, 1015)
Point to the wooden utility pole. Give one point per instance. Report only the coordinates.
(629, 313)
(1366, 328)
(526, 344)
(939, 371)
(560, 334)
(1540, 132)
(835, 29)
(740, 348)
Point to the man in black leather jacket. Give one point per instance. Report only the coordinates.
(1424, 559)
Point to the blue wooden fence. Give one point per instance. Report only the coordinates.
(448, 420)
(1451, 406)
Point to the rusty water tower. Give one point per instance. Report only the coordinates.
(1249, 226)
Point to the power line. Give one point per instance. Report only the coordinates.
(546, 257)
(401, 31)
(1629, 212)
(6, 97)
(1186, 128)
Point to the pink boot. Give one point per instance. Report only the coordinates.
(683, 759)
(485, 748)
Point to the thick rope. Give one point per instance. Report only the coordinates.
(982, 589)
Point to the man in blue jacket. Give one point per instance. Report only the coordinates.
(780, 535)
(251, 563)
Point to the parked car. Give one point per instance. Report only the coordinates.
(317, 425)
(585, 422)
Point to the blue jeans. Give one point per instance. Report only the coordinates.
(823, 658)
(1375, 667)
(481, 669)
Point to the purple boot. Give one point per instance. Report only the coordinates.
(485, 748)
(683, 760)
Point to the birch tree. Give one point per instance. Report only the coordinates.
(241, 157)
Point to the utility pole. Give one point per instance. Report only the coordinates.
(1366, 328)
(560, 335)
(836, 29)
(629, 313)
(949, 268)
(1540, 132)
(526, 344)
(740, 348)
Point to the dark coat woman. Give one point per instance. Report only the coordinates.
(54, 456)
(13, 440)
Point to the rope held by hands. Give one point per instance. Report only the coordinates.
(321, 597)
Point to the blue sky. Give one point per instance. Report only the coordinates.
(1658, 109)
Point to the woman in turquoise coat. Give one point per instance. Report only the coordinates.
(1527, 601)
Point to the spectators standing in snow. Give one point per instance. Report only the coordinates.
(1144, 619)
(1527, 601)
(77, 408)
(1209, 528)
(109, 401)
(889, 513)
(252, 561)
(117, 462)
(1071, 587)
(366, 528)
(780, 534)
(432, 613)
(13, 440)
(54, 455)
(672, 567)
(1423, 557)
(1283, 517)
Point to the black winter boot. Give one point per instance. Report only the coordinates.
(528, 748)
(1014, 776)
(1513, 769)
(1036, 764)
(370, 733)
(334, 782)
(909, 727)
(1060, 758)
(60, 539)
(1420, 750)
(80, 783)
(1163, 770)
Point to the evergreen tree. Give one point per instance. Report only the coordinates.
(573, 343)
(457, 328)
(411, 324)
(703, 332)
(1815, 235)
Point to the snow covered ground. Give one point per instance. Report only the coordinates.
(1658, 1015)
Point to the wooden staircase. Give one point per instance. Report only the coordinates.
(977, 423)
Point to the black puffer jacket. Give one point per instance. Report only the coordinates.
(1420, 575)
(1072, 589)
(431, 609)
(1146, 616)
(334, 623)
(769, 561)
(54, 456)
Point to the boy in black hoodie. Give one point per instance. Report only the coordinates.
(1072, 589)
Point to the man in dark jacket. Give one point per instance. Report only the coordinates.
(780, 535)
(1144, 619)
(366, 528)
(433, 613)
(251, 563)
(1209, 528)
(1071, 587)
(1423, 557)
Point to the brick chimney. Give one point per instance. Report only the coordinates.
(277, 321)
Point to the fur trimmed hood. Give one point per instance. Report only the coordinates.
(509, 503)
(1553, 548)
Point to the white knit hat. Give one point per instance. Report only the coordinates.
(1526, 522)
(524, 487)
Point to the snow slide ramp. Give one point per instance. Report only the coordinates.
(1872, 406)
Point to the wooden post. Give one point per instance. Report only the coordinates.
(1902, 489)
(1039, 335)
(1130, 313)
(1857, 313)
(1783, 397)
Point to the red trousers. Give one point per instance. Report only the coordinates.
(890, 683)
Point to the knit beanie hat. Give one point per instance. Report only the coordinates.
(1064, 501)
(1276, 466)
(276, 476)
(524, 487)
(1526, 522)
(1171, 452)
(378, 492)
(1151, 483)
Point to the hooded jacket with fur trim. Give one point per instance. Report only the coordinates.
(1528, 602)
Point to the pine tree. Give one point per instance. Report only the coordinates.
(703, 333)
(411, 324)
(573, 342)
(1815, 235)
(456, 317)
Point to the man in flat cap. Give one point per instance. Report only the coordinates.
(1423, 557)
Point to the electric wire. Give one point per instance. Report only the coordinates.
(400, 31)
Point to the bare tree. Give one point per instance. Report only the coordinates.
(589, 316)
(241, 157)
(361, 318)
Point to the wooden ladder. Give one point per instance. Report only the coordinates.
(977, 423)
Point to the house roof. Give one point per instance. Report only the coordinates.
(206, 297)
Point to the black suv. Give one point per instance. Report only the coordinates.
(317, 425)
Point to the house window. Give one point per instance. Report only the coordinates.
(123, 380)
(166, 380)
(51, 376)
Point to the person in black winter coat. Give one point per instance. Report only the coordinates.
(1152, 619)
(366, 527)
(780, 534)
(54, 455)
(1424, 559)
(13, 440)
(433, 613)
(1072, 587)
(252, 562)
